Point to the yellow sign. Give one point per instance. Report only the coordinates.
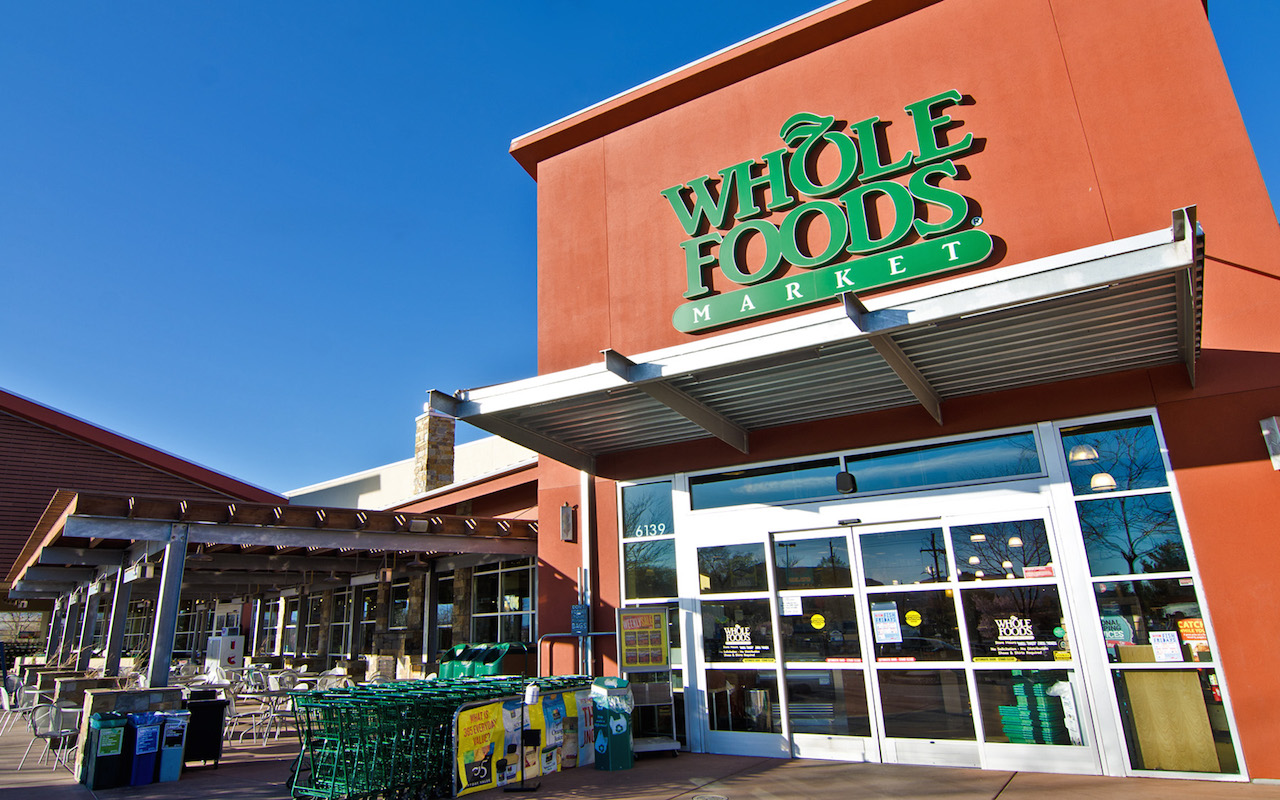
(913, 619)
(642, 639)
(818, 621)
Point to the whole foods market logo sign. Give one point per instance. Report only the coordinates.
(848, 205)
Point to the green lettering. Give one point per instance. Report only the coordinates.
(857, 202)
(773, 176)
(810, 132)
(928, 125)
(695, 258)
(837, 222)
(873, 164)
(926, 192)
(734, 243)
(706, 208)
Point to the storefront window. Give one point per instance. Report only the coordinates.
(732, 568)
(903, 558)
(649, 568)
(1149, 621)
(743, 700)
(311, 627)
(820, 629)
(399, 616)
(646, 510)
(1022, 623)
(444, 613)
(1132, 535)
(812, 564)
(737, 630)
(926, 704)
(782, 483)
(1113, 456)
(1028, 706)
(1152, 702)
(290, 639)
(915, 626)
(830, 702)
(1002, 551)
(266, 630)
(503, 603)
(368, 617)
(971, 461)
(340, 624)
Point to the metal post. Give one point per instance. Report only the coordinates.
(116, 625)
(88, 624)
(166, 625)
(70, 626)
(55, 628)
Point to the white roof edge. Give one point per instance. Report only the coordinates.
(488, 476)
(341, 479)
(800, 332)
(516, 141)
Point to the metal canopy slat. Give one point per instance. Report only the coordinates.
(1133, 303)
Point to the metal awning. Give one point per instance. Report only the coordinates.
(84, 539)
(1128, 304)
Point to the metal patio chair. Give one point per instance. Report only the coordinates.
(49, 722)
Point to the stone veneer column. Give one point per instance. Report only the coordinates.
(433, 452)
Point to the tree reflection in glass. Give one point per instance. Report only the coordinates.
(813, 564)
(650, 568)
(1126, 450)
(1000, 550)
(904, 557)
(1132, 535)
(732, 568)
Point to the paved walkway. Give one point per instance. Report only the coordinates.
(256, 772)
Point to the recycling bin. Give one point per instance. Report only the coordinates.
(205, 728)
(106, 763)
(173, 740)
(612, 703)
(142, 744)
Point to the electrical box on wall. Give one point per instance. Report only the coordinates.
(566, 522)
(1271, 435)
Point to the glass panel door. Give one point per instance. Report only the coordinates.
(822, 647)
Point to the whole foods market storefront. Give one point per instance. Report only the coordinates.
(1018, 597)
(915, 354)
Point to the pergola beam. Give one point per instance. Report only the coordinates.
(893, 355)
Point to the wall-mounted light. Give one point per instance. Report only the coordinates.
(566, 522)
(846, 483)
(1102, 482)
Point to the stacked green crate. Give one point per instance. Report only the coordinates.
(1036, 717)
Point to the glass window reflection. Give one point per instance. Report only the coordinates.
(1132, 535)
(926, 704)
(737, 630)
(1015, 622)
(1149, 621)
(915, 626)
(813, 564)
(953, 462)
(646, 510)
(743, 700)
(732, 568)
(776, 484)
(831, 702)
(649, 567)
(904, 557)
(820, 629)
(1201, 739)
(1029, 706)
(1002, 550)
(1113, 456)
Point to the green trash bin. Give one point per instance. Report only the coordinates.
(612, 704)
(490, 661)
(449, 662)
(472, 660)
(105, 765)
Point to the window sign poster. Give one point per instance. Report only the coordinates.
(791, 607)
(1195, 637)
(884, 619)
(642, 639)
(1165, 645)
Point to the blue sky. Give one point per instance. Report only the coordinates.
(255, 234)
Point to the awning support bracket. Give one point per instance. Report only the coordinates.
(894, 356)
(681, 403)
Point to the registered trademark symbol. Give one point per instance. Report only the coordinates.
(976, 221)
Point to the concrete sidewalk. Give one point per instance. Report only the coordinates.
(261, 772)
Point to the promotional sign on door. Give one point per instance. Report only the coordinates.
(642, 639)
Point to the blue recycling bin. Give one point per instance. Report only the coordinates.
(142, 740)
(172, 742)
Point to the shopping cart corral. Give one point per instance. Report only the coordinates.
(437, 738)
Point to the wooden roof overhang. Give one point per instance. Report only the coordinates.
(237, 548)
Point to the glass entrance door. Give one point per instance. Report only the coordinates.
(946, 643)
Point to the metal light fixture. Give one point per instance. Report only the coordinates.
(333, 577)
(1082, 454)
(1015, 541)
(1102, 482)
